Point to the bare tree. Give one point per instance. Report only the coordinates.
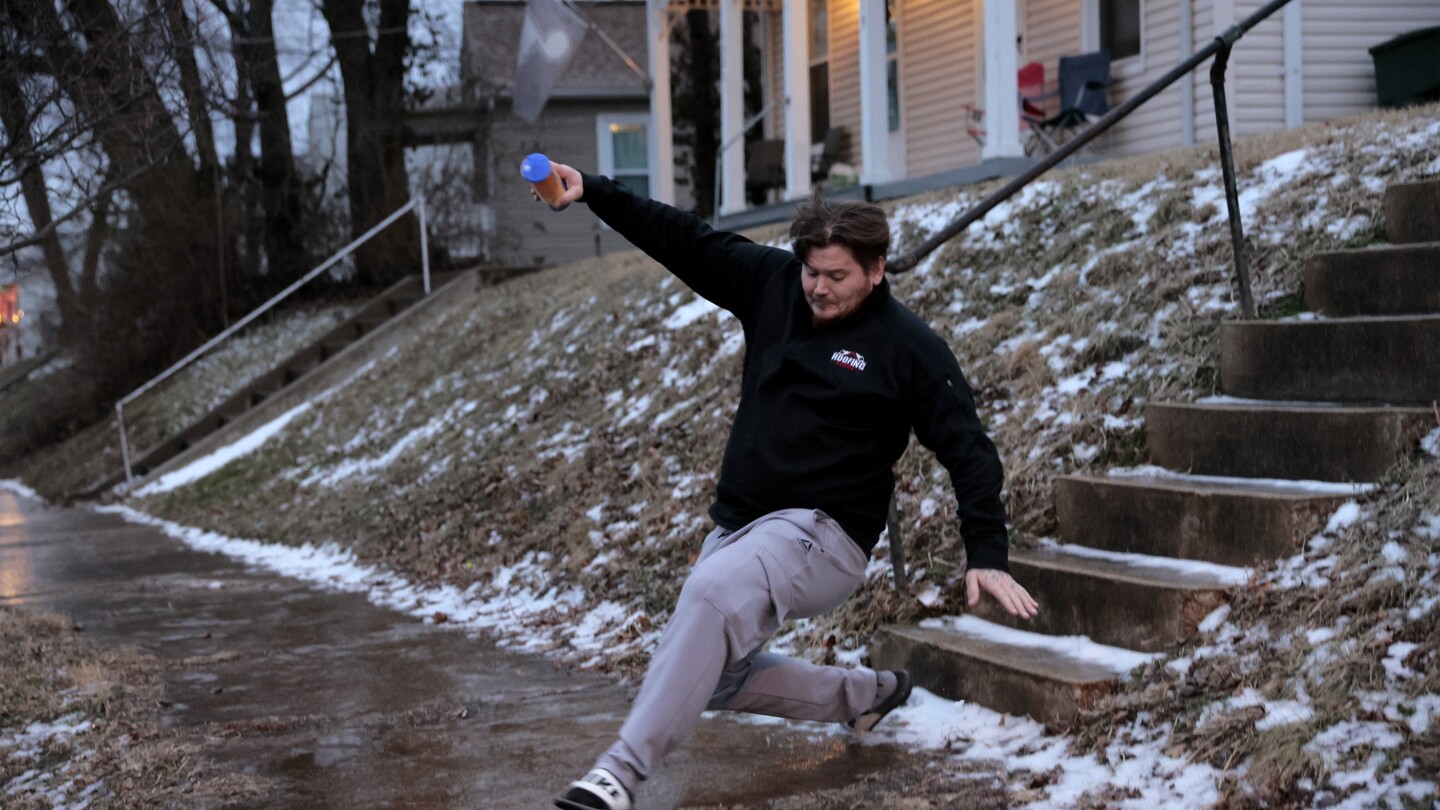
(372, 67)
(261, 85)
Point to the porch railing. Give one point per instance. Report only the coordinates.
(416, 204)
(1220, 49)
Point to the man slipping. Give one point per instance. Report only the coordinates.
(837, 373)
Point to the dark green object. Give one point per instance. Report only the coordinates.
(1407, 68)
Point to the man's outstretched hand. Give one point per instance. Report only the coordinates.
(1015, 599)
(574, 185)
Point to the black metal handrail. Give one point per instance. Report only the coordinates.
(1218, 48)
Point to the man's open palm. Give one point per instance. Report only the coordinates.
(1015, 599)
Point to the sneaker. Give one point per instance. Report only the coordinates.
(872, 718)
(599, 790)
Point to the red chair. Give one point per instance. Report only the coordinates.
(1031, 81)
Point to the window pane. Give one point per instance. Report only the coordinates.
(819, 101)
(892, 92)
(819, 29)
(638, 183)
(630, 146)
(892, 33)
(1120, 27)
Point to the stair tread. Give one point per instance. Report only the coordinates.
(1348, 320)
(1065, 659)
(1291, 406)
(1408, 247)
(1160, 478)
(1143, 569)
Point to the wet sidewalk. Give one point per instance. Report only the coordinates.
(345, 704)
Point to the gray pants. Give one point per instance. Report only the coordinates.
(795, 563)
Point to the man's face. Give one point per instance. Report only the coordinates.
(835, 284)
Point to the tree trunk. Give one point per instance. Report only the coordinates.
(16, 121)
(164, 295)
(375, 148)
(279, 184)
(182, 48)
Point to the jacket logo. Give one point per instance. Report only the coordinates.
(845, 358)
(806, 544)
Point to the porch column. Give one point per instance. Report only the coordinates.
(797, 99)
(732, 106)
(874, 95)
(1002, 87)
(661, 142)
(1294, 65)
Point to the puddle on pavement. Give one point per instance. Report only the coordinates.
(346, 704)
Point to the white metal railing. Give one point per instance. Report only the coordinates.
(416, 203)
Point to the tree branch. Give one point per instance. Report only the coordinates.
(40, 235)
(313, 79)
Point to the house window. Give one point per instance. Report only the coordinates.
(892, 64)
(1120, 27)
(819, 69)
(624, 150)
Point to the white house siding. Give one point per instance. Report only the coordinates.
(845, 76)
(1204, 31)
(1157, 124)
(1339, 75)
(1255, 84)
(937, 78)
(1052, 30)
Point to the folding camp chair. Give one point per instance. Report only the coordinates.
(1083, 82)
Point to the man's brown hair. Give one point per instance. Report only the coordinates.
(859, 226)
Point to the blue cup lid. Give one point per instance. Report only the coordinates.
(535, 167)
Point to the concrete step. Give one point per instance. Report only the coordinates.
(1300, 441)
(964, 658)
(1135, 601)
(1226, 521)
(1393, 359)
(1412, 212)
(1392, 280)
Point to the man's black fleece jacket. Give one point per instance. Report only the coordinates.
(824, 414)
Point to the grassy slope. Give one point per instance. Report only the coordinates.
(118, 754)
(94, 452)
(564, 425)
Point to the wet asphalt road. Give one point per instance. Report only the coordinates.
(346, 704)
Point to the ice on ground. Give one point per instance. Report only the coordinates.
(1081, 648)
(1298, 485)
(690, 313)
(1224, 574)
(31, 741)
(217, 459)
(18, 487)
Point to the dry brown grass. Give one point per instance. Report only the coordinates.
(125, 758)
(93, 453)
(1068, 312)
(1055, 290)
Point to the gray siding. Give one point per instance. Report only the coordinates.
(527, 232)
(1339, 74)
